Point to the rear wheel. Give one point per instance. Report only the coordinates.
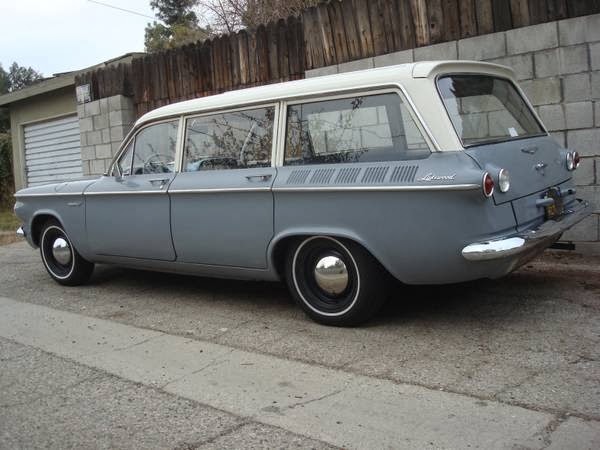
(336, 282)
(62, 261)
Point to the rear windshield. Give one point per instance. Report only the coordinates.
(486, 109)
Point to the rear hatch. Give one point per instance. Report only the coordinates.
(499, 130)
(534, 165)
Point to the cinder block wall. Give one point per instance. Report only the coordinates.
(103, 125)
(558, 66)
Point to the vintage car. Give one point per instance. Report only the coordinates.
(431, 172)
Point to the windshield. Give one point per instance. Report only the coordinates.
(486, 109)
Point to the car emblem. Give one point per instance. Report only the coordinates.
(433, 177)
(541, 167)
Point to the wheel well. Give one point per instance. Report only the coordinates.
(37, 224)
(282, 246)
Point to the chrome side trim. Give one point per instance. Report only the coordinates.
(531, 240)
(126, 193)
(220, 190)
(49, 194)
(439, 187)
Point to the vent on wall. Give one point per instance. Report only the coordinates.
(403, 174)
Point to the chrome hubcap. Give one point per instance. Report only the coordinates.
(331, 275)
(61, 251)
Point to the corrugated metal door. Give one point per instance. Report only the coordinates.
(52, 151)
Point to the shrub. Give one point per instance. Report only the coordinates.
(7, 184)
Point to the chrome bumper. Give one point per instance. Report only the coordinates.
(543, 236)
(21, 232)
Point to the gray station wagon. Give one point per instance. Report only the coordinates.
(432, 172)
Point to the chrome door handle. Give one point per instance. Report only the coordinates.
(160, 182)
(265, 177)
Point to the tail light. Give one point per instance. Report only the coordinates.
(487, 184)
(503, 180)
(573, 160)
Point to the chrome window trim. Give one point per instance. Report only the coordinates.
(185, 117)
(439, 187)
(395, 89)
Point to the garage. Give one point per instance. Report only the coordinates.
(52, 150)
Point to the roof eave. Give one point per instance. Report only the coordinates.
(41, 87)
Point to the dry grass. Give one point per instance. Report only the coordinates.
(9, 238)
(8, 221)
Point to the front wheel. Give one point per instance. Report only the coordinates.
(336, 282)
(62, 261)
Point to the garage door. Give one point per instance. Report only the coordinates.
(52, 151)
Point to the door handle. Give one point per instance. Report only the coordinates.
(160, 182)
(265, 177)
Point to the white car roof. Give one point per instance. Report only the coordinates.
(310, 86)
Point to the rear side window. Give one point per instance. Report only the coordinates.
(486, 109)
(231, 140)
(355, 129)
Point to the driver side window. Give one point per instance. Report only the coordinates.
(152, 151)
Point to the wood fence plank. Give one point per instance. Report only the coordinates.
(557, 9)
(419, 14)
(502, 15)
(363, 26)
(273, 43)
(336, 19)
(242, 42)
(352, 34)
(282, 50)
(406, 25)
(485, 16)
(435, 18)
(537, 11)
(520, 13)
(378, 29)
(451, 23)
(326, 32)
(467, 18)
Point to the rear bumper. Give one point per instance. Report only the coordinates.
(528, 241)
(21, 232)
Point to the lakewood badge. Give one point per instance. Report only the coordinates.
(434, 177)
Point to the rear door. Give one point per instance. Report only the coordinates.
(221, 202)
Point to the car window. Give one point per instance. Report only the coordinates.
(485, 109)
(356, 129)
(231, 140)
(154, 149)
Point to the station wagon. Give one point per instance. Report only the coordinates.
(429, 173)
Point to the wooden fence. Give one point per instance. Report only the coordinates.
(330, 33)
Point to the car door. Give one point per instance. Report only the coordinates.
(221, 202)
(128, 212)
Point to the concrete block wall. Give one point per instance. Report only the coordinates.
(103, 125)
(558, 66)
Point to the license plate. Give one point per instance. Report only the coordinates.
(556, 209)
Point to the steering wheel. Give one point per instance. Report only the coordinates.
(158, 163)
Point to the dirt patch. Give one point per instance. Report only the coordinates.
(9, 238)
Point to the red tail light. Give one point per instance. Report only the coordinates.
(488, 184)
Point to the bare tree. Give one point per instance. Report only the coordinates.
(227, 16)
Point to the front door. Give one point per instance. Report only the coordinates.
(221, 202)
(128, 213)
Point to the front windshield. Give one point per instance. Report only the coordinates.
(486, 109)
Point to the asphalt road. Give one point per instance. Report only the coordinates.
(490, 364)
